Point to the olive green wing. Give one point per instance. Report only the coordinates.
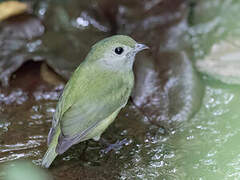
(87, 112)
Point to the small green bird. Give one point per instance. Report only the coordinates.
(98, 89)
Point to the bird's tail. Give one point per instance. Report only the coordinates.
(51, 153)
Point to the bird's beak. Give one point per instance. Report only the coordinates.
(139, 47)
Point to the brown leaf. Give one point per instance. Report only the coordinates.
(50, 76)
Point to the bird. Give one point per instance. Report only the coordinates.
(94, 95)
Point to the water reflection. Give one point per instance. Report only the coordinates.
(17, 96)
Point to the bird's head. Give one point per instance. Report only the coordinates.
(116, 52)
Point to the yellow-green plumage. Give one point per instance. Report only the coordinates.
(97, 91)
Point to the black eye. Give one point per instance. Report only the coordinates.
(119, 50)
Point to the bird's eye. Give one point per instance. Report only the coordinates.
(119, 50)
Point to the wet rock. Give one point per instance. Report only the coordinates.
(72, 28)
(168, 88)
(17, 38)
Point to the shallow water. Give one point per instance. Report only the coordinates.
(186, 125)
(208, 144)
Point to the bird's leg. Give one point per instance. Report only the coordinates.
(85, 148)
(83, 154)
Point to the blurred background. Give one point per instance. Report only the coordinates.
(187, 124)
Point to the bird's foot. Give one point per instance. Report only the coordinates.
(116, 146)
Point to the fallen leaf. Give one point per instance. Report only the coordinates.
(223, 61)
(50, 76)
(11, 8)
